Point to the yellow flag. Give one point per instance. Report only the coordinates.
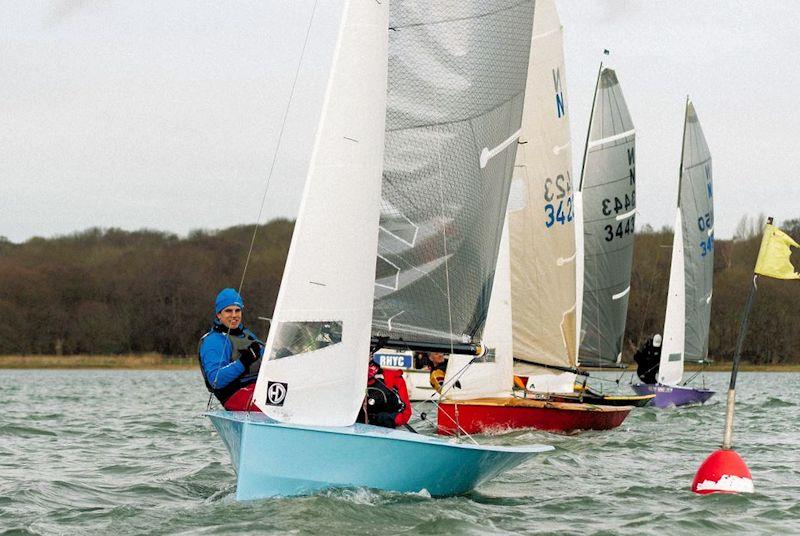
(773, 257)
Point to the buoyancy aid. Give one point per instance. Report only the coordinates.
(437, 375)
(382, 399)
(387, 393)
(237, 339)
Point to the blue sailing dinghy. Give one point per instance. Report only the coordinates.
(313, 377)
(275, 459)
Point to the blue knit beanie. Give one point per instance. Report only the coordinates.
(226, 297)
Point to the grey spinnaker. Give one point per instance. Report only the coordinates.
(457, 75)
(697, 207)
(608, 201)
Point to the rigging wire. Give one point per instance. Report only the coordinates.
(449, 384)
(269, 177)
(278, 144)
(697, 373)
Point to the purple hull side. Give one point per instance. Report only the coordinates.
(673, 395)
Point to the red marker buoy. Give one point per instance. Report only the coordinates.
(724, 471)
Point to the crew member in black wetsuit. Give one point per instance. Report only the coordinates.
(387, 403)
(647, 358)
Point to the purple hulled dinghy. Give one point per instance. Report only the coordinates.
(688, 315)
(673, 395)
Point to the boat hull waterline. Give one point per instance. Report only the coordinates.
(275, 459)
(638, 401)
(494, 414)
(673, 395)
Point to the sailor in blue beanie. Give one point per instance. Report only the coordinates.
(230, 354)
(226, 297)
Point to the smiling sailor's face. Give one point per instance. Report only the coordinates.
(230, 317)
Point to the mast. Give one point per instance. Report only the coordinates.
(580, 259)
(683, 148)
(671, 362)
(589, 128)
(491, 374)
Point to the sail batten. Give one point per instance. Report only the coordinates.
(609, 139)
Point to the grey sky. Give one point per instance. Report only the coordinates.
(737, 60)
(165, 115)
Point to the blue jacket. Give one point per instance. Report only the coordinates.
(219, 359)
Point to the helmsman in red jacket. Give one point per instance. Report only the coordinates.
(387, 403)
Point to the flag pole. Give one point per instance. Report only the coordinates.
(728, 435)
(726, 438)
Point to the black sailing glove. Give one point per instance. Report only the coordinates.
(249, 355)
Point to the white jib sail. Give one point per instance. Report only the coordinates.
(492, 373)
(670, 369)
(315, 367)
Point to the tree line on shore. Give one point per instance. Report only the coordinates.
(119, 292)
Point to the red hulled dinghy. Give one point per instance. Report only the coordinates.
(481, 415)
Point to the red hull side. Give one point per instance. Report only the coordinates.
(477, 418)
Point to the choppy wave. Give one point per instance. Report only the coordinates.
(128, 452)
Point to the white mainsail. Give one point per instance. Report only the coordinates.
(541, 216)
(608, 210)
(688, 315)
(314, 371)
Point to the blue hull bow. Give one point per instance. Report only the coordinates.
(275, 459)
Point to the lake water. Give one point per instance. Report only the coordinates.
(129, 452)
